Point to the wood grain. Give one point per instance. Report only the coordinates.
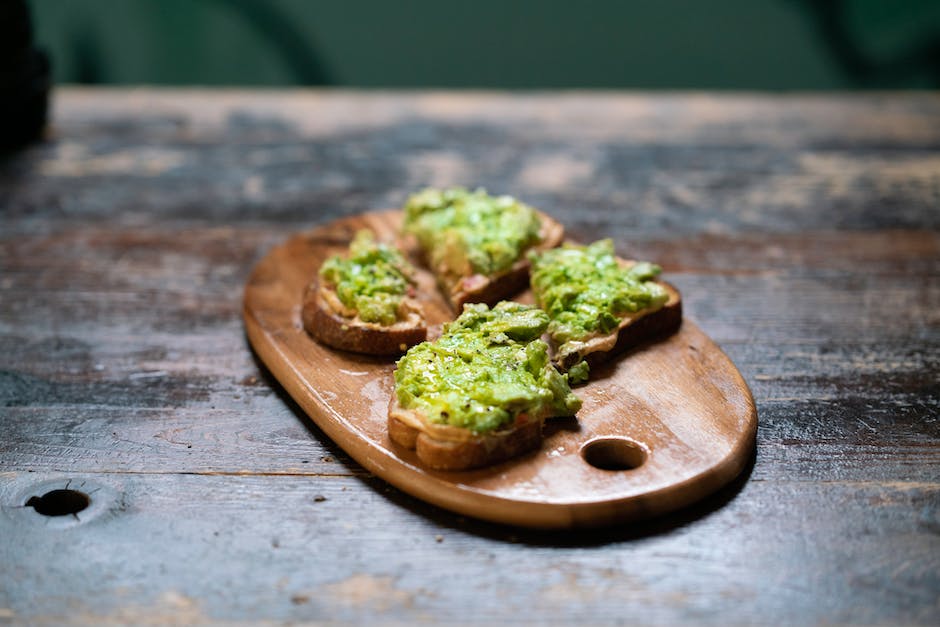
(356, 553)
(678, 403)
(801, 229)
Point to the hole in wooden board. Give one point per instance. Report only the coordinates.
(613, 453)
(59, 502)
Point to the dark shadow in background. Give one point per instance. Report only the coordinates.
(847, 49)
(88, 61)
(295, 47)
(24, 78)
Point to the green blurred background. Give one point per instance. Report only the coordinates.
(682, 44)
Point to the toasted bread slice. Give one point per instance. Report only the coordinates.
(634, 329)
(444, 447)
(479, 394)
(328, 321)
(475, 244)
(478, 288)
(589, 290)
(379, 315)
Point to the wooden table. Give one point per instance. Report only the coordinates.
(803, 231)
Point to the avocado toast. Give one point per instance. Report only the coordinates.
(476, 244)
(363, 302)
(600, 304)
(481, 392)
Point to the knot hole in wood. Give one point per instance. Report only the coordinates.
(60, 502)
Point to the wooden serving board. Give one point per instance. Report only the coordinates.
(674, 418)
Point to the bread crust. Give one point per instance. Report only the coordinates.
(504, 285)
(328, 326)
(632, 331)
(444, 447)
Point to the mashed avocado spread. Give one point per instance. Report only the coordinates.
(468, 232)
(372, 280)
(489, 367)
(586, 292)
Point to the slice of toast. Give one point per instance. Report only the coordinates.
(477, 288)
(634, 329)
(379, 315)
(444, 447)
(480, 393)
(326, 322)
(475, 244)
(600, 304)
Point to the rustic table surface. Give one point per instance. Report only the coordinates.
(803, 231)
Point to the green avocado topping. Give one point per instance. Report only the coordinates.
(489, 367)
(468, 232)
(373, 280)
(586, 292)
(579, 373)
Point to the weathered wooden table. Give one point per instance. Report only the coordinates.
(804, 232)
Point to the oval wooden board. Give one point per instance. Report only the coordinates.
(680, 399)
